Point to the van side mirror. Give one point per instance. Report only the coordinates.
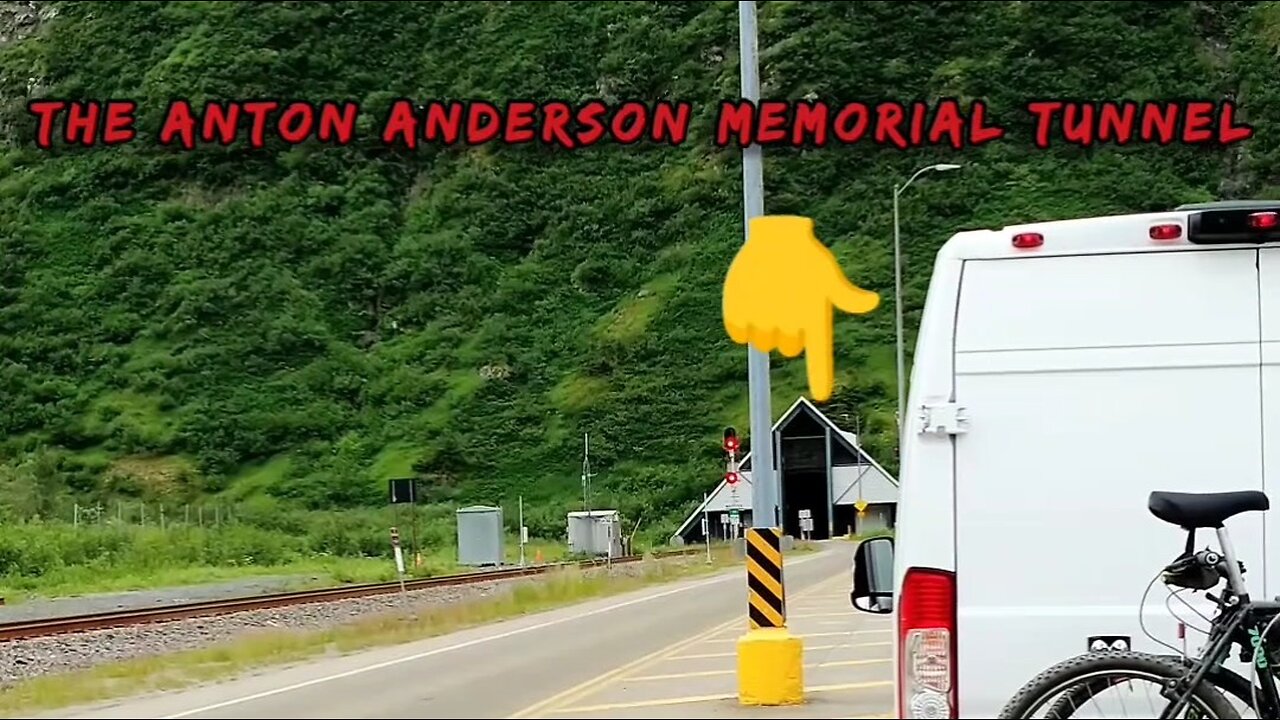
(873, 576)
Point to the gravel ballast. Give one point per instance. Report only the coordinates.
(43, 608)
(34, 657)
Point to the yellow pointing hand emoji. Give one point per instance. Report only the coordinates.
(780, 292)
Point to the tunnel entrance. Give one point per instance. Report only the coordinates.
(821, 469)
(804, 441)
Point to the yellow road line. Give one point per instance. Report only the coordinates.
(848, 614)
(585, 689)
(596, 684)
(692, 699)
(706, 656)
(807, 648)
(713, 673)
(803, 636)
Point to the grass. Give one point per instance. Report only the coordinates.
(80, 580)
(178, 670)
(868, 535)
(58, 559)
(321, 571)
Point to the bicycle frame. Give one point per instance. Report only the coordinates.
(1240, 622)
(1242, 625)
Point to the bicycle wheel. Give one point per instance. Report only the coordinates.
(1074, 688)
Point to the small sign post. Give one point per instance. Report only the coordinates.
(395, 548)
(706, 534)
(524, 532)
(706, 524)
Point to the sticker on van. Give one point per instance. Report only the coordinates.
(1108, 642)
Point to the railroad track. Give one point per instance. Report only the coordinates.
(185, 611)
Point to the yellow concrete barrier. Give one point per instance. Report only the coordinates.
(770, 658)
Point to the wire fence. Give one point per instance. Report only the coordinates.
(155, 514)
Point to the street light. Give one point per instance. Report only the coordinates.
(765, 491)
(897, 291)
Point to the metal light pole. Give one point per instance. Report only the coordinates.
(764, 488)
(897, 292)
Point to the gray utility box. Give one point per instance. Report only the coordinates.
(480, 536)
(598, 532)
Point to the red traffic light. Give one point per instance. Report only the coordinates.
(730, 440)
(731, 478)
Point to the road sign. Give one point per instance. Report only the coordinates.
(861, 505)
(403, 490)
(733, 517)
(806, 514)
(705, 529)
(806, 524)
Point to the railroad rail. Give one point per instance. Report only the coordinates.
(119, 618)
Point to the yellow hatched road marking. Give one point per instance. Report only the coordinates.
(713, 673)
(813, 635)
(692, 699)
(600, 682)
(807, 648)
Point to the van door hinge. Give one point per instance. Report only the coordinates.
(944, 418)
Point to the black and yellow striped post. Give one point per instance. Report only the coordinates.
(766, 598)
(770, 658)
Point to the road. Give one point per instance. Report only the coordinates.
(664, 651)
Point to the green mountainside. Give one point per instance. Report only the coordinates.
(302, 323)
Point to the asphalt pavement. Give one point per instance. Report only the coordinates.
(666, 651)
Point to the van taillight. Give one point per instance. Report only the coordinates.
(927, 644)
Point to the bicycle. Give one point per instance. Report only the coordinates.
(1201, 684)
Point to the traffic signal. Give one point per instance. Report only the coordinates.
(730, 440)
(731, 477)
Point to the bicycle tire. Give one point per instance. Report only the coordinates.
(1042, 689)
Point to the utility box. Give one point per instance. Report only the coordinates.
(480, 536)
(595, 532)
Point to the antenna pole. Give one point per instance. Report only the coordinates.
(586, 473)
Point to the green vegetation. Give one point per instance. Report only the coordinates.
(42, 558)
(273, 647)
(288, 327)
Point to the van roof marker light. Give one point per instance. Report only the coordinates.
(1165, 232)
(1028, 240)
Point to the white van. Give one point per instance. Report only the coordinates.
(1063, 371)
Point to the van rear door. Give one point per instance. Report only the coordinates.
(1269, 280)
(1090, 381)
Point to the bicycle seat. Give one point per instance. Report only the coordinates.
(1205, 510)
